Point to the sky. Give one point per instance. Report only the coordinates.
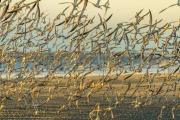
(122, 10)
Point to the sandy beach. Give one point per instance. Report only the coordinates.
(52, 95)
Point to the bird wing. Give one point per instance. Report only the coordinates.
(167, 8)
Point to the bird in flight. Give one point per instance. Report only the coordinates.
(178, 3)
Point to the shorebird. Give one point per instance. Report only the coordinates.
(80, 15)
(173, 115)
(78, 63)
(106, 6)
(177, 4)
(97, 4)
(4, 11)
(161, 112)
(137, 16)
(110, 108)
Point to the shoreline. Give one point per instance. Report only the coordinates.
(62, 74)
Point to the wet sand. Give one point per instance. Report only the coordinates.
(125, 109)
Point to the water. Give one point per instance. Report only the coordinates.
(39, 72)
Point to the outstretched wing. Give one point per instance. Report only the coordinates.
(178, 2)
(168, 7)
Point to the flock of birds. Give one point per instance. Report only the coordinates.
(28, 36)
